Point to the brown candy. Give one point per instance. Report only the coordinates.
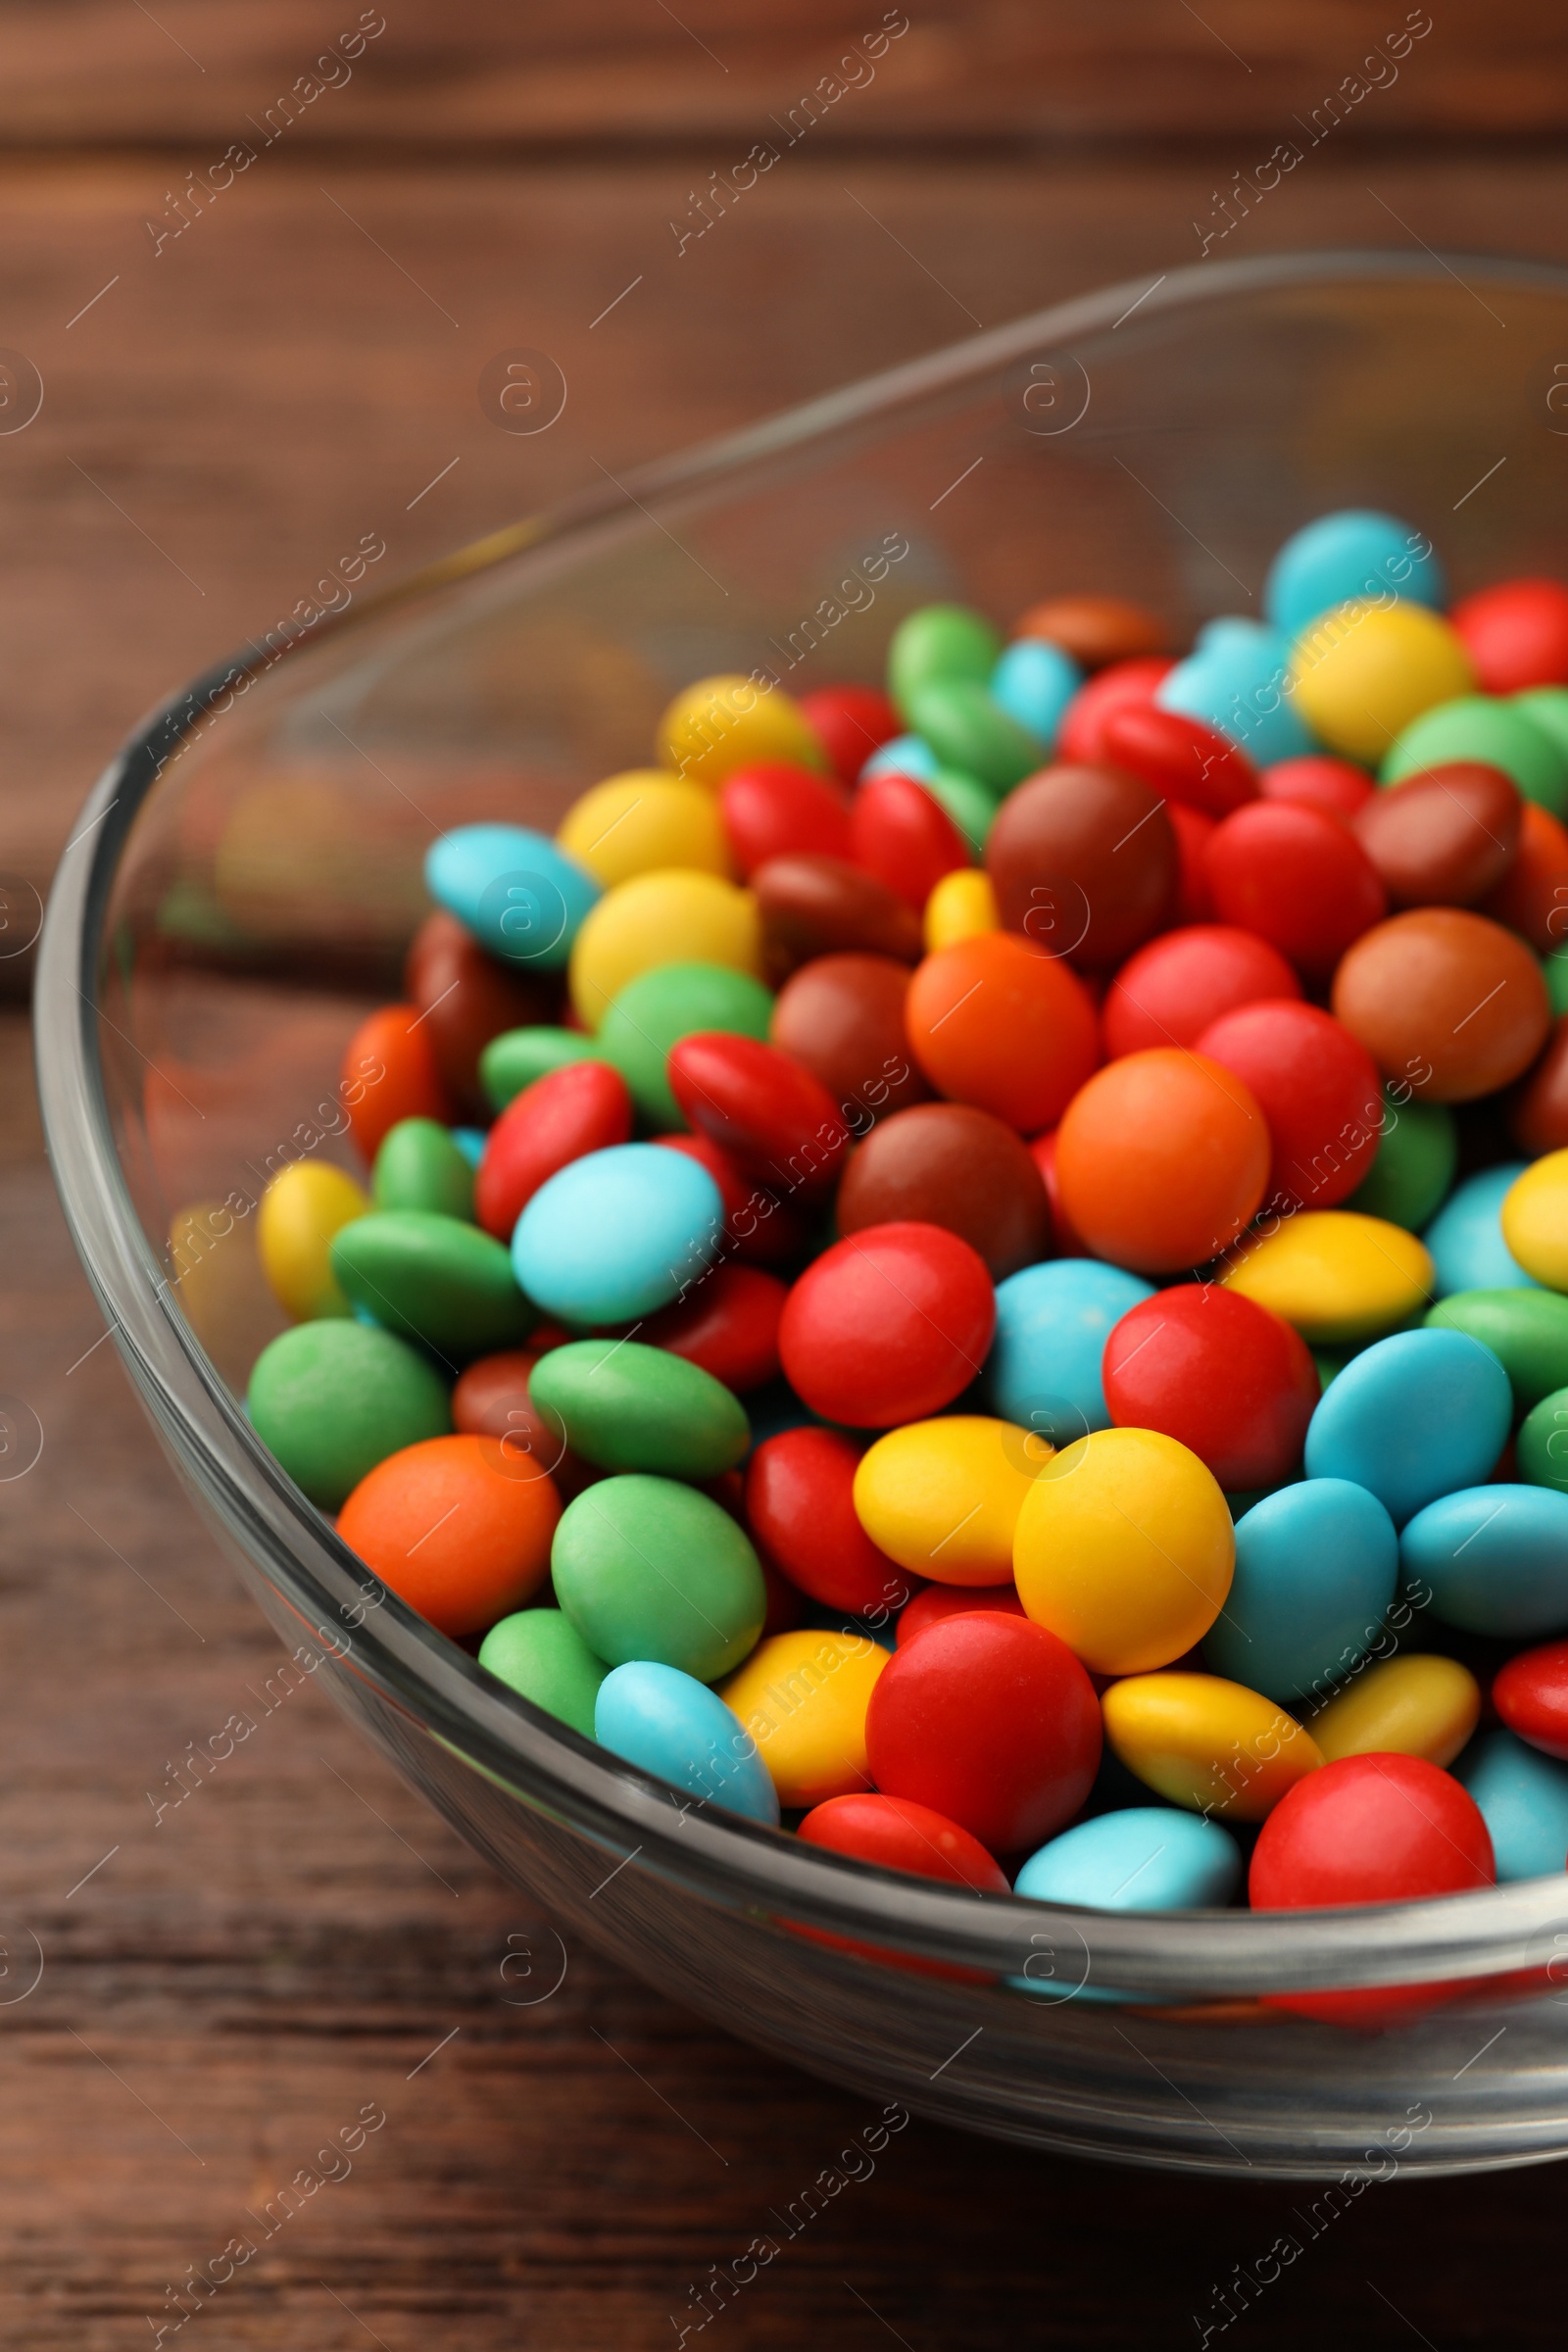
(491, 1400)
(1084, 862)
(820, 905)
(1096, 630)
(1445, 1000)
(843, 1017)
(1444, 838)
(467, 998)
(944, 1164)
(1537, 1116)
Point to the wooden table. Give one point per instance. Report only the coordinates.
(229, 1982)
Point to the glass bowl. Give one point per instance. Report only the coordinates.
(239, 892)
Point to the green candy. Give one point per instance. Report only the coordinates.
(1484, 726)
(419, 1166)
(333, 1399)
(433, 1279)
(650, 1012)
(971, 804)
(629, 1407)
(1555, 969)
(1526, 1330)
(1546, 707)
(519, 1057)
(940, 642)
(1542, 1442)
(1417, 1153)
(967, 730)
(539, 1654)
(646, 1568)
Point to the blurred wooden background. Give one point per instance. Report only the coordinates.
(226, 1985)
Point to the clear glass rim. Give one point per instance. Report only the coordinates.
(719, 1858)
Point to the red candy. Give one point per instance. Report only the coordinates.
(390, 1073)
(799, 1508)
(758, 1227)
(1193, 831)
(1179, 757)
(1221, 1375)
(903, 836)
(896, 1834)
(1123, 684)
(1530, 1694)
(1297, 877)
(728, 1325)
(760, 1105)
(991, 1721)
(850, 722)
(1336, 787)
(1318, 1089)
(939, 1602)
(775, 811)
(582, 1108)
(1516, 634)
(888, 1326)
(1170, 991)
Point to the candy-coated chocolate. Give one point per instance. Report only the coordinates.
(1444, 837)
(1045, 1368)
(997, 1021)
(642, 822)
(1224, 1377)
(628, 1406)
(1516, 634)
(1370, 1829)
(669, 916)
(519, 1057)
(936, 645)
(803, 1698)
(949, 1164)
(539, 1654)
(1317, 780)
(1083, 860)
(772, 809)
(647, 1568)
(893, 1834)
(1169, 992)
(1415, 1706)
(1316, 1566)
(1361, 673)
(1144, 1858)
(938, 1601)
(1209, 1746)
(766, 1109)
(800, 1505)
(453, 1529)
(1134, 678)
(465, 998)
(1237, 679)
(1418, 1151)
(1530, 1694)
(332, 1398)
(1033, 684)
(1094, 630)
(1537, 1116)
(721, 723)
(1354, 552)
(757, 1225)
(1180, 757)
(1298, 878)
(420, 1165)
(850, 722)
(942, 1497)
(1161, 1159)
(1495, 1559)
(842, 1019)
(1541, 1446)
(671, 1724)
(1523, 1799)
(492, 1399)
(580, 1108)
(1317, 1088)
(1465, 1237)
(618, 1233)
(1526, 1330)
(887, 1326)
(900, 834)
(969, 730)
(1336, 1276)
(814, 906)
(1533, 1219)
(728, 1325)
(1532, 897)
(1412, 1418)
(389, 1073)
(301, 1210)
(434, 1279)
(1478, 727)
(657, 1009)
(962, 906)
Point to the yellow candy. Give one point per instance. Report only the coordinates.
(960, 906)
(1212, 1745)
(1404, 1707)
(802, 1698)
(1362, 672)
(671, 916)
(1534, 1220)
(1124, 1548)
(1337, 1276)
(301, 1209)
(723, 724)
(645, 820)
(942, 1497)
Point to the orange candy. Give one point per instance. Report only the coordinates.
(458, 1526)
(1161, 1159)
(1532, 895)
(390, 1073)
(997, 1022)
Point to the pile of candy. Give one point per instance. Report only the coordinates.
(1108, 1115)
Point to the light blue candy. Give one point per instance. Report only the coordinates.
(1236, 679)
(905, 755)
(470, 1142)
(521, 895)
(1522, 1798)
(1316, 1566)
(1149, 1858)
(1495, 1559)
(1357, 552)
(1034, 682)
(617, 1234)
(671, 1724)
(1465, 1237)
(1411, 1421)
(1053, 1322)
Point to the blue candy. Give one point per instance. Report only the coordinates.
(617, 1234)
(1316, 1566)
(1357, 552)
(470, 1142)
(1495, 1559)
(1053, 1322)
(1147, 1858)
(674, 1724)
(1034, 682)
(1411, 1421)
(1523, 1797)
(905, 755)
(1236, 679)
(521, 895)
(1465, 1237)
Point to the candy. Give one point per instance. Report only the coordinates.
(938, 1601)
(940, 642)
(1094, 630)
(1445, 999)
(1033, 684)
(1133, 679)
(668, 916)
(539, 1654)
(333, 1400)
(1530, 1694)
(1465, 1237)
(641, 822)
(1420, 1706)
(1495, 1559)
(721, 723)
(302, 1210)
(1418, 1151)
(803, 1698)
(419, 1166)
(580, 1108)
(657, 1009)
(625, 1407)
(772, 1117)
(649, 1569)
(992, 1722)
(672, 1724)
(850, 722)
(1180, 757)
(1533, 895)
(800, 1504)
(949, 1164)
(942, 1497)
(894, 1835)
(465, 998)
(511, 1061)
(1541, 1446)
(1316, 1566)
(1083, 860)
(960, 906)
(1526, 1330)
(1413, 1417)
(1355, 552)
(1523, 1799)
(1124, 1548)
(969, 730)
(1045, 1366)
(1538, 1118)
(758, 1226)
(842, 1019)
(1335, 1276)
(887, 1326)
(1318, 1090)
(1161, 1159)
(1224, 1377)
(1297, 878)
(998, 1022)
(1237, 680)
(1211, 1745)
(1144, 1858)
(1369, 1830)
(453, 1528)
(823, 906)
(434, 1278)
(903, 836)
(1444, 837)
(771, 809)
(618, 1233)
(492, 1399)
(521, 895)
(1363, 672)
(1316, 781)
(390, 1072)
(1532, 1218)
(1475, 726)
(728, 1325)
(1168, 993)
